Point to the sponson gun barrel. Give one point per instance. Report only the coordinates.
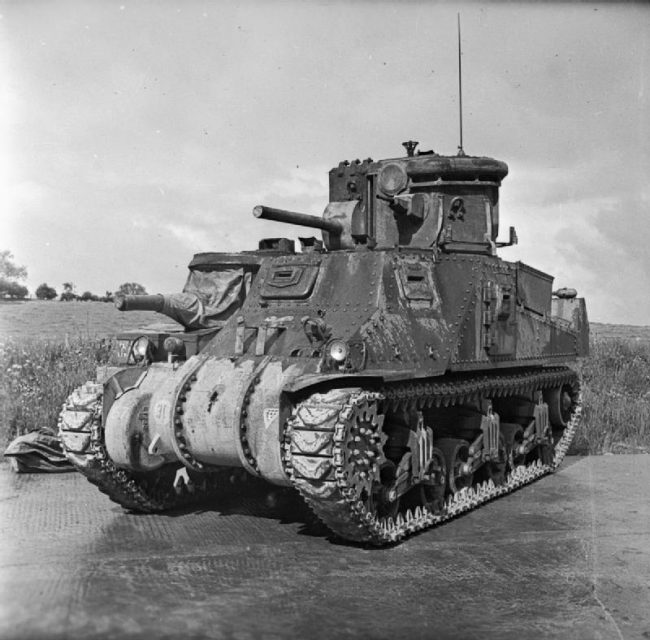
(140, 303)
(303, 219)
(185, 308)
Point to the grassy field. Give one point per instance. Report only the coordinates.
(624, 332)
(54, 320)
(616, 398)
(49, 348)
(37, 375)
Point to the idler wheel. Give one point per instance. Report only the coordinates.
(456, 454)
(560, 404)
(431, 491)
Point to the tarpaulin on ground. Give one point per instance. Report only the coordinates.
(38, 451)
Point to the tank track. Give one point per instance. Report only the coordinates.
(331, 490)
(82, 439)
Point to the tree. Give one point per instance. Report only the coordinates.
(8, 269)
(9, 289)
(45, 292)
(131, 289)
(9, 273)
(68, 292)
(88, 296)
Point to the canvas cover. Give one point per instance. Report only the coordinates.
(209, 297)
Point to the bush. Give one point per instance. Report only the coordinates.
(45, 292)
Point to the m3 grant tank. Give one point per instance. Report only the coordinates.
(396, 373)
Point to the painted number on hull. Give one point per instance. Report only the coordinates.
(162, 410)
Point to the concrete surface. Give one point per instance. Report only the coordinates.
(568, 557)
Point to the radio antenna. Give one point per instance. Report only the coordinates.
(460, 93)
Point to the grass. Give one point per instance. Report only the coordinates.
(616, 398)
(37, 376)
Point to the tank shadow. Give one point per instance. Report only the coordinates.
(284, 505)
(260, 499)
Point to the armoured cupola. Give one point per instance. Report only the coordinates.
(423, 199)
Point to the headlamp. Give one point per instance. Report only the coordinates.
(343, 355)
(142, 349)
(338, 350)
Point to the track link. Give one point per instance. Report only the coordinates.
(82, 438)
(314, 454)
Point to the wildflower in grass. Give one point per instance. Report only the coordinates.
(616, 398)
(37, 376)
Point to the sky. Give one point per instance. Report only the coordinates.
(135, 134)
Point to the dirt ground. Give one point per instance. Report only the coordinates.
(568, 557)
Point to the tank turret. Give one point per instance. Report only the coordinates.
(421, 200)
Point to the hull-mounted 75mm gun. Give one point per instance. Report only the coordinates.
(395, 372)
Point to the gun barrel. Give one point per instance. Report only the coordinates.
(292, 217)
(140, 303)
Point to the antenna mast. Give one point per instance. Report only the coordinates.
(460, 93)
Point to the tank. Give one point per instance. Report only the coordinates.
(396, 372)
